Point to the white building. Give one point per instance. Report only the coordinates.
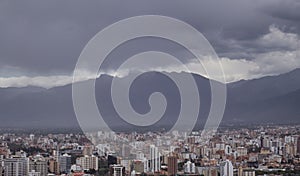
(88, 162)
(226, 168)
(16, 166)
(118, 170)
(228, 149)
(189, 167)
(154, 159)
(146, 164)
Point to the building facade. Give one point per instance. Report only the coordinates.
(16, 166)
(154, 159)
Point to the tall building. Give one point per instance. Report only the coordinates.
(146, 164)
(39, 165)
(87, 150)
(226, 168)
(88, 162)
(16, 166)
(240, 171)
(189, 167)
(1, 169)
(65, 163)
(298, 145)
(53, 166)
(154, 159)
(172, 165)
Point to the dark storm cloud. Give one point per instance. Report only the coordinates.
(46, 37)
(287, 9)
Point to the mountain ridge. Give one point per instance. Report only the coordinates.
(272, 98)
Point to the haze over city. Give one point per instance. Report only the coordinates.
(185, 88)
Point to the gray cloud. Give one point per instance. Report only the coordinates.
(45, 38)
(283, 9)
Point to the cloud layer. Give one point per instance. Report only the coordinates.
(40, 43)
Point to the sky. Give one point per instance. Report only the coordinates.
(40, 41)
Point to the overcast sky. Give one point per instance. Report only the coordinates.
(40, 41)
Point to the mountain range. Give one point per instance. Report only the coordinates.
(271, 99)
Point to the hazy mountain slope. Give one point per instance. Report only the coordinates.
(269, 99)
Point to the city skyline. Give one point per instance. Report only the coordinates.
(150, 88)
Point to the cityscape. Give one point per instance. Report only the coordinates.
(150, 88)
(244, 151)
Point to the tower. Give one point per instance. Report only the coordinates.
(172, 166)
(226, 168)
(16, 166)
(154, 159)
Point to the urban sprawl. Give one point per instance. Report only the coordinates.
(244, 151)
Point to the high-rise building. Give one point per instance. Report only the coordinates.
(154, 159)
(298, 145)
(226, 168)
(146, 164)
(172, 165)
(189, 167)
(65, 163)
(16, 166)
(1, 168)
(53, 166)
(240, 171)
(88, 162)
(39, 164)
(87, 150)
